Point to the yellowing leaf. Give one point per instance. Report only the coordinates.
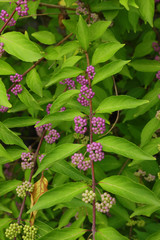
(40, 187)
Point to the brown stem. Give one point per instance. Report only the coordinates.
(56, 6)
(92, 163)
(123, 166)
(1, 30)
(31, 174)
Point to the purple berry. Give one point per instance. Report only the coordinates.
(158, 75)
(16, 78)
(48, 108)
(17, 89)
(80, 124)
(81, 79)
(3, 108)
(27, 161)
(95, 150)
(98, 125)
(80, 162)
(4, 16)
(40, 129)
(22, 10)
(90, 71)
(85, 94)
(52, 136)
(62, 109)
(70, 83)
(1, 49)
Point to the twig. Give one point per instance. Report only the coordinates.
(92, 163)
(123, 166)
(56, 6)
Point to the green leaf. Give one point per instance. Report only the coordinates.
(62, 99)
(115, 103)
(45, 37)
(125, 148)
(105, 51)
(6, 69)
(4, 208)
(4, 99)
(97, 29)
(34, 82)
(20, 122)
(145, 65)
(9, 137)
(124, 3)
(154, 236)
(109, 5)
(60, 194)
(67, 215)
(58, 153)
(109, 233)
(152, 146)
(146, 210)
(70, 62)
(16, 44)
(83, 33)
(65, 168)
(108, 70)
(29, 101)
(133, 3)
(67, 115)
(146, 8)
(8, 186)
(67, 72)
(64, 234)
(148, 130)
(125, 187)
(143, 49)
(4, 154)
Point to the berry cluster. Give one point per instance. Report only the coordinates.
(1, 49)
(106, 203)
(62, 109)
(48, 108)
(82, 80)
(158, 75)
(17, 89)
(139, 223)
(27, 161)
(52, 136)
(91, 72)
(25, 187)
(81, 162)
(16, 78)
(80, 124)
(141, 173)
(29, 232)
(13, 230)
(81, 9)
(3, 108)
(88, 196)
(40, 129)
(85, 94)
(22, 8)
(98, 125)
(4, 16)
(95, 150)
(70, 83)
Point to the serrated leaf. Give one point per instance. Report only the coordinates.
(4, 99)
(60, 194)
(20, 122)
(40, 187)
(44, 37)
(97, 29)
(8, 186)
(65, 168)
(125, 187)
(115, 103)
(83, 33)
(58, 153)
(109, 233)
(16, 44)
(67, 115)
(125, 148)
(67, 72)
(6, 69)
(105, 51)
(146, 8)
(148, 130)
(9, 137)
(62, 99)
(108, 70)
(145, 65)
(34, 82)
